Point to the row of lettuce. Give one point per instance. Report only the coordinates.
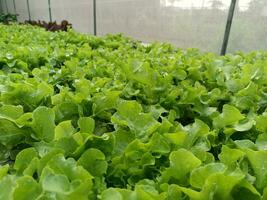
(84, 117)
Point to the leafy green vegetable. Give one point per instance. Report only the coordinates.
(108, 118)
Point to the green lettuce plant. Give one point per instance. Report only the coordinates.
(85, 117)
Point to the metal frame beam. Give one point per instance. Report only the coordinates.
(228, 27)
(1, 7)
(28, 9)
(7, 10)
(49, 10)
(94, 16)
(15, 8)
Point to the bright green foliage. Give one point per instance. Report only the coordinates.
(94, 162)
(108, 118)
(182, 162)
(43, 123)
(129, 113)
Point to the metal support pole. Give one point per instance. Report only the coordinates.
(228, 27)
(15, 8)
(1, 7)
(7, 10)
(29, 12)
(49, 9)
(94, 13)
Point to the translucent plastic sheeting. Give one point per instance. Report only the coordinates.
(184, 23)
(7, 6)
(22, 10)
(10, 6)
(39, 10)
(1, 7)
(249, 29)
(78, 12)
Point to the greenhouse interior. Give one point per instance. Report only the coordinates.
(133, 99)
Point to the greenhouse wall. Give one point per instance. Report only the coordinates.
(184, 23)
(249, 28)
(7, 6)
(79, 13)
(1, 7)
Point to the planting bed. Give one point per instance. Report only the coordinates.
(84, 117)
